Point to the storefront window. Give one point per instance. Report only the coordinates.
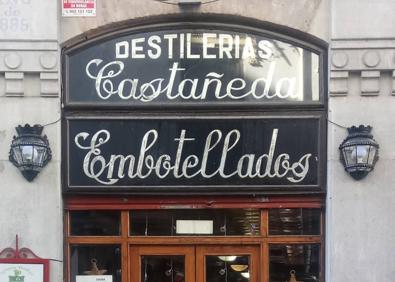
(94, 223)
(301, 261)
(219, 244)
(294, 221)
(230, 222)
(162, 268)
(227, 268)
(99, 260)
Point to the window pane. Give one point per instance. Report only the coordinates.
(294, 221)
(162, 268)
(95, 260)
(302, 261)
(94, 223)
(227, 268)
(199, 222)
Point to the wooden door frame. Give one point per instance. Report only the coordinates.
(135, 251)
(195, 270)
(250, 250)
(125, 240)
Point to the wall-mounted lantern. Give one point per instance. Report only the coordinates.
(359, 151)
(30, 151)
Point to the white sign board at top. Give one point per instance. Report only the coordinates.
(78, 8)
(21, 272)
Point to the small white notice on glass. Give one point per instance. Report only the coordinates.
(194, 227)
(93, 278)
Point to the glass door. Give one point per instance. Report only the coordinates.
(194, 263)
(227, 263)
(162, 264)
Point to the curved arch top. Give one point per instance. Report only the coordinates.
(196, 62)
(293, 34)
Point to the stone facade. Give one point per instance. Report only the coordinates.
(359, 229)
(29, 93)
(362, 64)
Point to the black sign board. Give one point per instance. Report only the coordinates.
(185, 154)
(200, 66)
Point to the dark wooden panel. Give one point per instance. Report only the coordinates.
(206, 154)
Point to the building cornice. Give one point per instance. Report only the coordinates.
(370, 59)
(38, 58)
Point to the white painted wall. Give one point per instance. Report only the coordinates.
(29, 50)
(360, 213)
(363, 19)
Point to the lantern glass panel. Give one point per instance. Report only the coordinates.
(38, 158)
(17, 152)
(36, 155)
(350, 155)
(28, 152)
(362, 154)
(372, 154)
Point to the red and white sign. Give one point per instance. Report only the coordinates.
(79, 8)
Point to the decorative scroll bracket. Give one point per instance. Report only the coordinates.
(23, 253)
(22, 264)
